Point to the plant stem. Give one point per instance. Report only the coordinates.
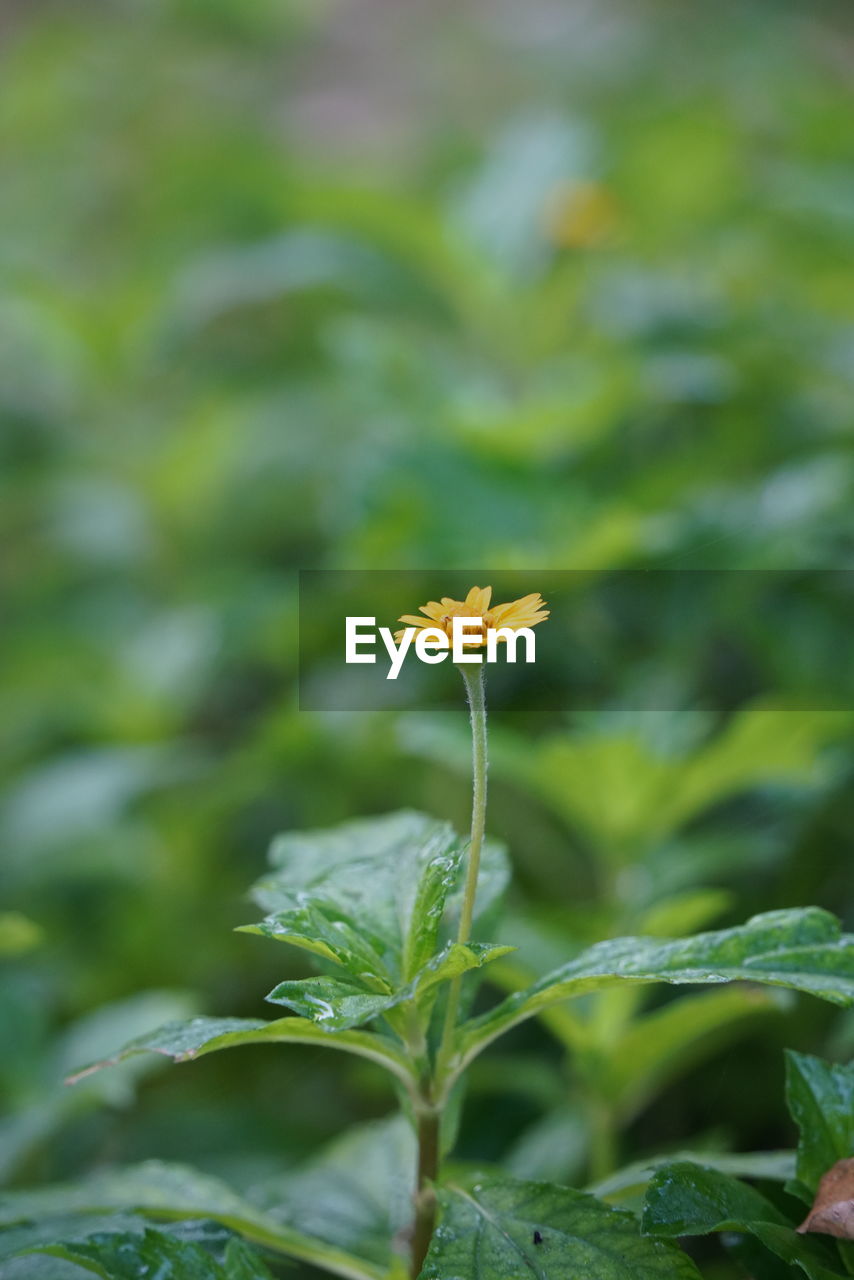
(475, 690)
(430, 1112)
(425, 1196)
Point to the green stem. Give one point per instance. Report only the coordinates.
(425, 1195)
(475, 690)
(430, 1111)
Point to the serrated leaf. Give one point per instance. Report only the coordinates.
(803, 950)
(330, 1002)
(820, 1098)
(27, 1265)
(453, 960)
(126, 1256)
(324, 931)
(338, 1005)
(368, 871)
(183, 1041)
(371, 895)
(503, 1229)
(690, 1200)
(174, 1192)
(28, 1235)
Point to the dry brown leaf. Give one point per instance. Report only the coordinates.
(832, 1212)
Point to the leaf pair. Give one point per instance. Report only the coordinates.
(373, 899)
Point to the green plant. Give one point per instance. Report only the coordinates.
(387, 907)
(686, 1198)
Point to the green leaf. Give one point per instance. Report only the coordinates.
(820, 1097)
(369, 871)
(183, 1041)
(323, 930)
(511, 1230)
(802, 949)
(175, 1192)
(453, 960)
(626, 1183)
(27, 1236)
(371, 895)
(125, 1256)
(689, 1200)
(329, 1002)
(338, 1005)
(356, 1194)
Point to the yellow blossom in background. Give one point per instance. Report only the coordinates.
(526, 612)
(580, 214)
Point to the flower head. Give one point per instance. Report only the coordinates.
(526, 612)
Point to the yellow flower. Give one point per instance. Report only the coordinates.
(526, 612)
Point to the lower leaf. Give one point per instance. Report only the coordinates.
(505, 1229)
(173, 1193)
(121, 1256)
(183, 1041)
(690, 1200)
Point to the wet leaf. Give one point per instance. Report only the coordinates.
(338, 1005)
(503, 1229)
(370, 895)
(183, 1041)
(172, 1192)
(820, 1097)
(801, 949)
(691, 1200)
(118, 1256)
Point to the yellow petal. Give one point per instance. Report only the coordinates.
(433, 610)
(478, 599)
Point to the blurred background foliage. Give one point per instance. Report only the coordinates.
(308, 283)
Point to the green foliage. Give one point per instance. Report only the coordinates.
(284, 287)
(803, 950)
(351, 875)
(370, 897)
(175, 1193)
(356, 1194)
(820, 1098)
(687, 1200)
(183, 1041)
(502, 1229)
(696, 1199)
(126, 1257)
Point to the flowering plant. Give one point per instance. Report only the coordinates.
(395, 912)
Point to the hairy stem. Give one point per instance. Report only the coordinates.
(475, 690)
(430, 1114)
